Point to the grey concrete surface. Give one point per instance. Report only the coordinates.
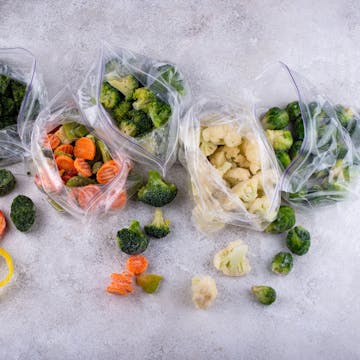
(56, 306)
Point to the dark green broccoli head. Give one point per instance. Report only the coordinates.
(126, 85)
(282, 263)
(170, 75)
(109, 96)
(120, 112)
(128, 128)
(275, 119)
(284, 221)
(159, 227)
(4, 83)
(298, 129)
(18, 92)
(264, 294)
(295, 148)
(131, 240)
(157, 192)
(7, 182)
(283, 158)
(143, 98)
(159, 112)
(142, 122)
(298, 240)
(23, 213)
(293, 110)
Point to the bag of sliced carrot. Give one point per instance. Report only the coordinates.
(78, 167)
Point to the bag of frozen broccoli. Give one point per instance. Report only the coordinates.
(78, 168)
(22, 95)
(314, 150)
(140, 100)
(233, 171)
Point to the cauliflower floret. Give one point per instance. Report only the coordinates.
(246, 190)
(236, 175)
(251, 151)
(232, 260)
(241, 161)
(254, 168)
(232, 138)
(204, 291)
(207, 148)
(217, 159)
(224, 168)
(215, 134)
(231, 153)
(260, 206)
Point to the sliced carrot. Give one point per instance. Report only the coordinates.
(119, 201)
(86, 195)
(83, 167)
(52, 141)
(107, 172)
(2, 224)
(121, 284)
(137, 264)
(65, 148)
(85, 148)
(64, 162)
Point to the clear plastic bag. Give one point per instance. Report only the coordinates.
(93, 199)
(321, 170)
(157, 148)
(216, 202)
(19, 64)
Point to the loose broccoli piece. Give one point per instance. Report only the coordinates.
(143, 98)
(345, 115)
(18, 91)
(295, 148)
(264, 294)
(283, 158)
(298, 240)
(120, 111)
(109, 96)
(131, 240)
(171, 76)
(126, 85)
(275, 119)
(157, 192)
(7, 182)
(4, 83)
(281, 140)
(293, 110)
(298, 129)
(159, 227)
(142, 122)
(149, 282)
(282, 263)
(23, 213)
(159, 112)
(284, 221)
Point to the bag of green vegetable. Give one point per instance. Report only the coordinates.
(233, 171)
(314, 150)
(141, 100)
(22, 95)
(79, 171)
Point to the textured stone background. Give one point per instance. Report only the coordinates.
(56, 306)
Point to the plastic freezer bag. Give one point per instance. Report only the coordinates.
(234, 173)
(141, 100)
(22, 95)
(69, 154)
(315, 151)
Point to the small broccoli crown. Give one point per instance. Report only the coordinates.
(126, 85)
(128, 128)
(120, 112)
(143, 98)
(159, 112)
(159, 227)
(293, 110)
(7, 182)
(298, 129)
(284, 221)
(298, 240)
(283, 158)
(275, 119)
(131, 240)
(23, 213)
(345, 115)
(157, 192)
(109, 96)
(282, 263)
(295, 148)
(142, 121)
(266, 295)
(281, 140)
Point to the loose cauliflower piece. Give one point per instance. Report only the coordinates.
(232, 138)
(251, 151)
(236, 175)
(224, 168)
(232, 260)
(246, 190)
(217, 159)
(204, 291)
(215, 134)
(207, 148)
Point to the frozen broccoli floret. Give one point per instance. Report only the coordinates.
(282, 263)
(109, 96)
(157, 192)
(7, 182)
(266, 295)
(120, 112)
(159, 112)
(284, 221)
(143, 98)
(142, 121)
(293, 110)
(281, 140)
(126, 85)
(345, 115)
(298, 240)
(131, 240)
(159, 227)
(283, 158)
(23, 213)
(275, 119)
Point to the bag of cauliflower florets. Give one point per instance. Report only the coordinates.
(233, 171)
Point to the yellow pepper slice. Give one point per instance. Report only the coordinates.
(10, 266)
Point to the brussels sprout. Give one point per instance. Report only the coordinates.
(23, 213)
(298, 240)
(283, 158)
(281, 140)
(298, 129)
(293, 110)
(275, 119)
(7, 182)
(264, 294)
(149, 282)
(284, 221)
(295, 148)
(282, 263)
(345, 115)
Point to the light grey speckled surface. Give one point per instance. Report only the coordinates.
(56, 306)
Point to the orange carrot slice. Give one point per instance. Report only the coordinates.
(2, 224)
(107, 172)
(137, 264)
(65, 148)
(85, 148)
(119, 201)
(121, 284)
(64, 162)
(87, 194)
(52, 141)
(83, 167)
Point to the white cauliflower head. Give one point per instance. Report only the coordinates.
(250, 149)
(204, 291)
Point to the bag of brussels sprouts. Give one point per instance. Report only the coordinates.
(315, 152)
(141, 100)
(22, 95)
(78, 169)
(233, 171)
